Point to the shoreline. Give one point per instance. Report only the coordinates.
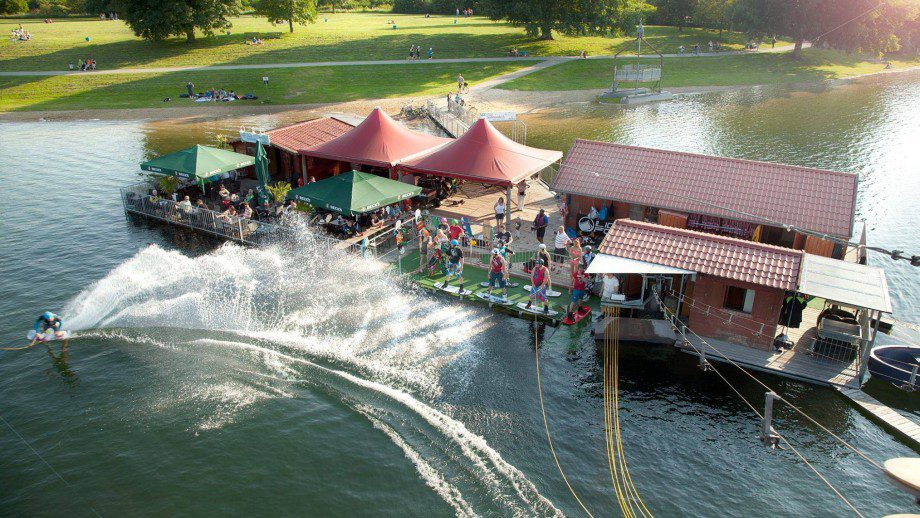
(492, 99)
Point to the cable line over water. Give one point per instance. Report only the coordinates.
(680, 329)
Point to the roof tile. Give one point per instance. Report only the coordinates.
(814, 199)
(709, 254)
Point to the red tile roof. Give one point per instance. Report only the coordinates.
(307, 134)
(813, 199)
(719, 256)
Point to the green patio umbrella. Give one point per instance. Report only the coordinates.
(353, 192)
(199, 163)
(261, 160)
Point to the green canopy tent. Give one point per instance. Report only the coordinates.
(198, 163)
(353, 192)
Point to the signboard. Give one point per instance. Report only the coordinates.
(253, 137)
(500, 116)
(588, 225)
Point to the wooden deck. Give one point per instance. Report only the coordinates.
(904, 426)
(794, 363)
(478, 201)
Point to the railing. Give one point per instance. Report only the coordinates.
(451, 124)
(135, 200)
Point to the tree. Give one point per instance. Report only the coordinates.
(300, 11)
(675, 12)
(160, 19)
(541, 17)
(13, 6)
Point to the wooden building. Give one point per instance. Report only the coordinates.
(725, 196)
(286, 162)
(726, 288)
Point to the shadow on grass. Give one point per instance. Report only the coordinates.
(286, 86)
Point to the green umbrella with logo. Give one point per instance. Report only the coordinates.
(353, 192)
(262, 175)
(201, 164)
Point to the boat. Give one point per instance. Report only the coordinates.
(896, 364)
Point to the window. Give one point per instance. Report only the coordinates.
(739, 299)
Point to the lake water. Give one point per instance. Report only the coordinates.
(216, 379)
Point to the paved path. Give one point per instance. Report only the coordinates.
(543, 62)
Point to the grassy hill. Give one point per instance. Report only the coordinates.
(338, 37)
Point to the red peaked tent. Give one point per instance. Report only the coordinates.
(483, 154)
(378, 141)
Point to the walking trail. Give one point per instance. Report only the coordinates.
(542, 62)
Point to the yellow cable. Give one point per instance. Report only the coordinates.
(32, 343)
(608, 421)
(549, 438)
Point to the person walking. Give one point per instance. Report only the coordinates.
(773, 42)
(521, 195)
(540, 222)
(499, 210)
(430, 53)
(460, 83)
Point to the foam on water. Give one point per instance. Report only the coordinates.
(375, 343)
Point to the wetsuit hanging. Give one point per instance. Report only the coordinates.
(793, 306)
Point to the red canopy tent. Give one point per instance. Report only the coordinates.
(378, 141)
(483, 154)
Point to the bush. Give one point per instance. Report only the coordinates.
(13, 6)
(430, 6)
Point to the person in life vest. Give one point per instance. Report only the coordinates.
(454, 264)
(540, 284)
(46, 321)
(498, 273)
(579, 285)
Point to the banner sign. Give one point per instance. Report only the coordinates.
(253, 137)
(500, 116)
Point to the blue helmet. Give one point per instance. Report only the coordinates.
(454, 242)
(47, 315)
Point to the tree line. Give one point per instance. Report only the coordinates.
(849, 25)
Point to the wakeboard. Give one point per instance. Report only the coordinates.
(576, 317)
(485, 284)
(453, 289)
(549, 293)
(495, 299)
(48, 336)
(537, 309)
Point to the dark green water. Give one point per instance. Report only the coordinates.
(214, 379)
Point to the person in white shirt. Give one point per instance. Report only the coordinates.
(185, 204)
(561, 244)
(611, 286)
(499, 210)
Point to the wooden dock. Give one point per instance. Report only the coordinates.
(794, 363)
(890, 419)
(798, 364)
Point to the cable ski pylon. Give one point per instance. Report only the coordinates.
(627, 496)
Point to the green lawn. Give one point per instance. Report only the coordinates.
(344, 37)
(815, 65)
(286, 85)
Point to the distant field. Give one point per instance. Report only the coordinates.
(815, 65)
(286, 85)
(344, 37)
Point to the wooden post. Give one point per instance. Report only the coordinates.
(508, 209)
(767, 435)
